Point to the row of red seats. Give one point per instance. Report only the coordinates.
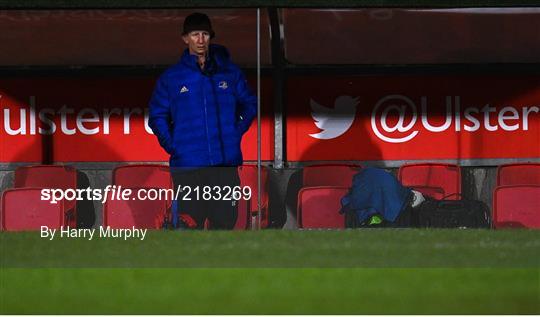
(23, 209)
(515, 201)
(516, 198)
(133, 212)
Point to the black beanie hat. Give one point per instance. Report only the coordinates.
(198, 22)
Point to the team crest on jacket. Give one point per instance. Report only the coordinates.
(223, 85)
(184, 89)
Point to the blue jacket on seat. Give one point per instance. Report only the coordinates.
(375, 191)
(199, 117)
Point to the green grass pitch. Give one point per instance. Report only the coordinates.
(386, 271)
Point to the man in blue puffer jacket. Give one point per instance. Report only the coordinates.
(199, 111)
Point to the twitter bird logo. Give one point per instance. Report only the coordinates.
(333, 121)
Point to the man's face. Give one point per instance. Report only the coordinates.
(197, 42)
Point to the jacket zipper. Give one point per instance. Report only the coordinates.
(206, 126)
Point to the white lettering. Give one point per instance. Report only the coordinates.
(96, 193)
(45, 123)
(127, 115)
(508, 118)
(45, 194)
(526, 112)
(106, 118)
(399, 126)
(70, 194)
(473, 120)
(503, 117)
(32, 115)
(104, 233)
(47, 233)
(487, 110)
(146, 118)
(80, 120)
(43, 118)
(64, 111)
(109, 232)
(457, 103)
(447, 122)
(91, 233)
(7, 123)
(76, 233)
(393, 119)
(64, 232)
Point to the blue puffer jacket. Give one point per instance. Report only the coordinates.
(199, 118)
(375, 191)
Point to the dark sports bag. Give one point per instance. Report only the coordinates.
(462, 213)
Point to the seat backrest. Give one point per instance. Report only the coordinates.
(135, 212)
(518, 174)
(248, 177)
(142, 176)
(329, 175)
(50, 176)
(46, 176)
(516, 206)
(318, 207)
(23, 209)
(432, 179)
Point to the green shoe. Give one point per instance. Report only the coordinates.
(375, 220)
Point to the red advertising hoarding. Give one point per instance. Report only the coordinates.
(94, 120)
(399, 118)
(365, 118)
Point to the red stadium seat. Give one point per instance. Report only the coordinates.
(318, 207)
(134, 212)
(142, 175)
(516, 206)
(248, 177)
(23, 209)
(319, 200)
(518, 174)
(50, 176)
(432, 179)
(329, 175)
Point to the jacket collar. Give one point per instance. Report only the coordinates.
(217, 58)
